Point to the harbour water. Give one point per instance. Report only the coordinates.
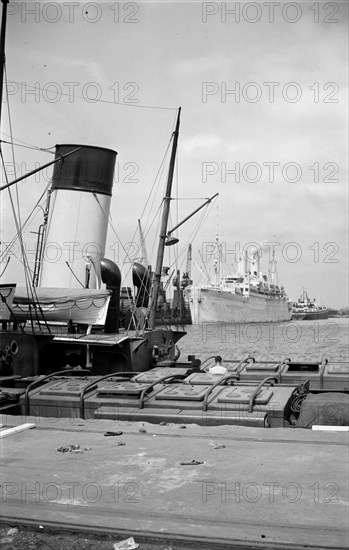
(298, 340)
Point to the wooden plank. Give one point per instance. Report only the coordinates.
(15, 430)
(317, 427)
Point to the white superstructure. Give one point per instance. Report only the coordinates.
(247, 298)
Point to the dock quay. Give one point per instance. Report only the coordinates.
(199, 486)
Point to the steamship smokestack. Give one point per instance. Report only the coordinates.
(78, 220)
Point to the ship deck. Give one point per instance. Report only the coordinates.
(250, 488)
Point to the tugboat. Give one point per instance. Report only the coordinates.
(308, 310)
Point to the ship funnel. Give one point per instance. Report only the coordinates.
(78, 218)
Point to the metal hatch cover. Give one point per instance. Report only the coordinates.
(261, 367)
(120, 388)
(242, 395)
(66, 388)
(338, 369)
(181, 392)
(198, 378)
(308, 368)
(156, 374)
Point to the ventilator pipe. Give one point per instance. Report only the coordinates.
(141, 279)
(111, 276)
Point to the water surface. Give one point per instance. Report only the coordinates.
(295, 339)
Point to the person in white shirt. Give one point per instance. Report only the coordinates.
(218, 367)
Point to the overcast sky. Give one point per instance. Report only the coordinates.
(263, 90)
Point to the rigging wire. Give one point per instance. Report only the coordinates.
(109, 222)
(154, 191)
(27, 146)
(72, 272)
(29, 287)
(192, 236)
(149, 223)
(12, 148)
(9, 246)
(7, 262)
(155, 183)
(158, 107)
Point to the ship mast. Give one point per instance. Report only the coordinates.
(273, 269)
(217, 262)
(163, 229)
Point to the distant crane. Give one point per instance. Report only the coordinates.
(144, 257)
(186, 278)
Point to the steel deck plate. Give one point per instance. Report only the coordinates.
(92, 339)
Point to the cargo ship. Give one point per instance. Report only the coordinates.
(246, 297)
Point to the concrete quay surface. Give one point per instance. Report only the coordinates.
(222, 486)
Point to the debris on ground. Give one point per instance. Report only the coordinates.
(73, 449)
(6, 540)
(142, 429)
(41, 538)
(191, 463)
(183, 427)
(119, 443)
(217, 445)
(128, 544)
